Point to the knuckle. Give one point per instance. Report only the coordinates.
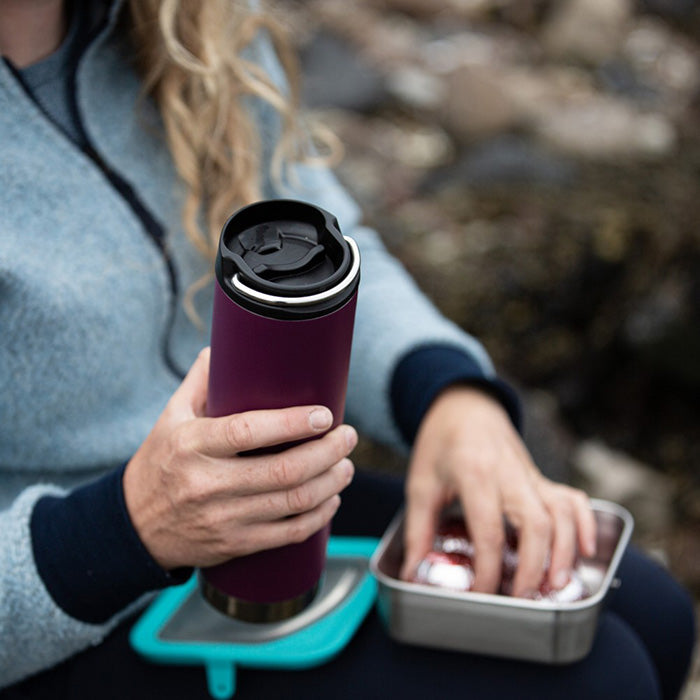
(299, 499)
(191, 487)
(481, 471)
(283, 472)
(210, 522)
(540, 525)
(297, 531)
(580, 498)
(288, 421)
(239, 432)
(182, 442)
(419, 488)
(563, 508)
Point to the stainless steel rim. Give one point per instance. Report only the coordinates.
(251, 611)
(311, 298)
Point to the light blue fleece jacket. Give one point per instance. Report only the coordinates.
(87, 305)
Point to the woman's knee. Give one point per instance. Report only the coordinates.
(661, 613)
(619, 665)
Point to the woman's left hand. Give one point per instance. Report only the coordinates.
(467, 448)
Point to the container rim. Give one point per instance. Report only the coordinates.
(275, 300)
(503, 600)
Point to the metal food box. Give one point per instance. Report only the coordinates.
(499, 625)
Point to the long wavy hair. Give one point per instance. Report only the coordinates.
(189, 53)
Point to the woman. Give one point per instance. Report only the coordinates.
(114, 483)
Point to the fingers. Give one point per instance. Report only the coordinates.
(424, 501)
(286, 482)
(292, 467)
(533, 549)
(563, 543)
(423, 508)
(573, 529)
(271, 534)
(483, 514)
(469, 448)
(585, 520)
(230, 435)
(299, 499)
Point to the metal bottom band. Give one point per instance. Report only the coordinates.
(250, 611)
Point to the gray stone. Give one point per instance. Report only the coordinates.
(416, 87)
(548, 441)
(617, 477)
(336, 75)
(620, 78)
(673, 9)
(508, 160)
(607, 128)
(476, 103)
(588, 30)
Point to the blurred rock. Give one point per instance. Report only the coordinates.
(607, 128)
(384, 39)
(664, 59)
(476, 48)
(436, 8)
(588, 30)
(549, 442)
(506, 160)
(619, 77)
(416, 87)
(656, 313)
(336, 75)
(675, 9)
(537, 91)
(616, 477)
(475, 103)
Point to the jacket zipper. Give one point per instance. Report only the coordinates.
(151, 226)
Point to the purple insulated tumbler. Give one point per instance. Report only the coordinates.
(284, 310)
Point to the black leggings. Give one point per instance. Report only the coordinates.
(642, 648)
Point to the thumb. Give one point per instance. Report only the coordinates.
(190, 397)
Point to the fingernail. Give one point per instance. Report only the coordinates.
(560, 579)
(530, 594)
(320, 418)
(350, 436)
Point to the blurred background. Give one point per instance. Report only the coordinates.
(535, 164)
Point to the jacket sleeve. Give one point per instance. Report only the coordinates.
(71, 567)
(34, 632)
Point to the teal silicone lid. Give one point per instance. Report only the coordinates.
(179, 627)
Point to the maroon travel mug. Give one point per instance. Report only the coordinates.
(284, 311)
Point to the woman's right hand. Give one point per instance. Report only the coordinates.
(196, 500)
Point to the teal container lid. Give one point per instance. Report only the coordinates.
(179, 627)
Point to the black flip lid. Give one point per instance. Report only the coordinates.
(283, 248)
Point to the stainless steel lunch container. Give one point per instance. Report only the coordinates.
(500, 625)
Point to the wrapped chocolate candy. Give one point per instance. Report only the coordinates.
(450, 565)
(454, 571)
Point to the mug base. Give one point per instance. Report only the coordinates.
(254, 611)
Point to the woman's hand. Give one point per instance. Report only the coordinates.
(467, 448)
(195, 500)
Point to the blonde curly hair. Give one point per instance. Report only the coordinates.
(189, 53)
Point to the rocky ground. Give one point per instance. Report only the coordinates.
(536, 165)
